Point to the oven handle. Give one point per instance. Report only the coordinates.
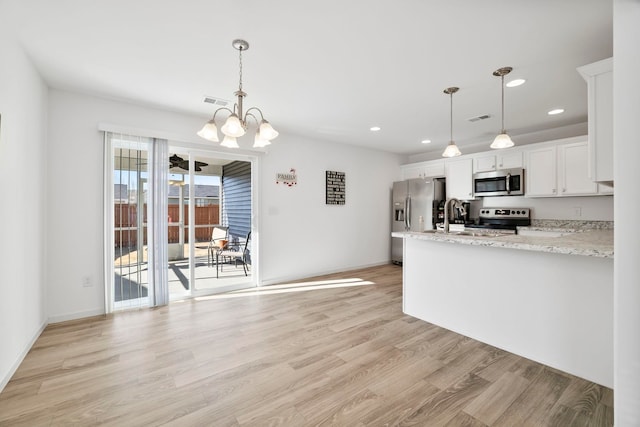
(508, 183)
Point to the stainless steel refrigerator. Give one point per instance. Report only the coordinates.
(414, 205)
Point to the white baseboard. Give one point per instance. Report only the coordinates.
(21, 356)
(77, 315)
(319, 273)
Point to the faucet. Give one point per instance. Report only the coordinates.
(457, 204)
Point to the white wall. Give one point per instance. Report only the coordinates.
(299, 235)
(626, 129)
(305, 236)
(23, 102)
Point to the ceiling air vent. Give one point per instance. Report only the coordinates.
(478, 118)
(217, 101)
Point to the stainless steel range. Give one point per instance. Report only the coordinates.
(503, 219)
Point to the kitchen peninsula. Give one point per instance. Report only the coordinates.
(545, 294)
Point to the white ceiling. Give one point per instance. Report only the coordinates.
(330, 69)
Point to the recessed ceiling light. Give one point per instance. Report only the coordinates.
(515, 82)
(556, 111)
(374, 128)
(426, 141)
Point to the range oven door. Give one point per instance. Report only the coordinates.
(507, 182)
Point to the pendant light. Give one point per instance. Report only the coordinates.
(452, 149)
(503, 140)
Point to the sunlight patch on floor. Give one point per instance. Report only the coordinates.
(290, 287)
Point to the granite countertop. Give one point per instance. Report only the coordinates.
(561, 240)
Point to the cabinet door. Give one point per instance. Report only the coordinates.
(459, 175)
(412, 173)
(435, 168)
(484, 163)
(540, 173)
(573, 170)
(510, 160)
(599, 78)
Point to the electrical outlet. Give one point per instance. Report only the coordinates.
(577, 211)
(86, 281)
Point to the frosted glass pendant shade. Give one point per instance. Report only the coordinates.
(260, 142)
(451, 150)
(502, 141)
(209, 131)
(229, 142)
(233, 127)
(266, 131)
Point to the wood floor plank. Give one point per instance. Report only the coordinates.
(339, 356)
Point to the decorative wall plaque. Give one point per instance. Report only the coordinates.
(290, 179)
(335, 188)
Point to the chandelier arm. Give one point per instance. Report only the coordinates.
(259, 111)
(218, 110)
(248, 114)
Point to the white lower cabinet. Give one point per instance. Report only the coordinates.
(459, 175)
(559, 170)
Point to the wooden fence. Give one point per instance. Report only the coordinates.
(126, 220)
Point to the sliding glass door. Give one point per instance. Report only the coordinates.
(164, 210)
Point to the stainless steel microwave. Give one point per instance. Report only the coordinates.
(505, 182)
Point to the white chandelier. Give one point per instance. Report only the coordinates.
(236, 124)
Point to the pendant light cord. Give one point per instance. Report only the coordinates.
(502, 83)
(451, 119)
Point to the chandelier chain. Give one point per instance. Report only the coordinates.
(240, 49)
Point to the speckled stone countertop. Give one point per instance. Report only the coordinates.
(596, 242)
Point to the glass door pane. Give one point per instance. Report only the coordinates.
(130, 286)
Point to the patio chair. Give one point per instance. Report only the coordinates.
(238, 254)
(219, 236)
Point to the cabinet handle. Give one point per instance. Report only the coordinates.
(554, 190)
(564, 190)
(500, 164)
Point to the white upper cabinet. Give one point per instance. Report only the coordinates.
(599, 77)
(540, 173)
(434, 168)
(573, 170)
(509, 160)
(484, 163)
(491, 162)
(560, 170)
(459, 174)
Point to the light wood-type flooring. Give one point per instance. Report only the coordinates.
(335, 351)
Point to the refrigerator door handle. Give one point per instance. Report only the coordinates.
(407, 213)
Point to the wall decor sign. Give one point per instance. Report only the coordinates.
(336, 188)
(289, 179)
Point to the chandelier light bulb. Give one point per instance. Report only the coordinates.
(209, 131)
(266, 131)
(229, 142)
(233, 127)
(259, 141)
